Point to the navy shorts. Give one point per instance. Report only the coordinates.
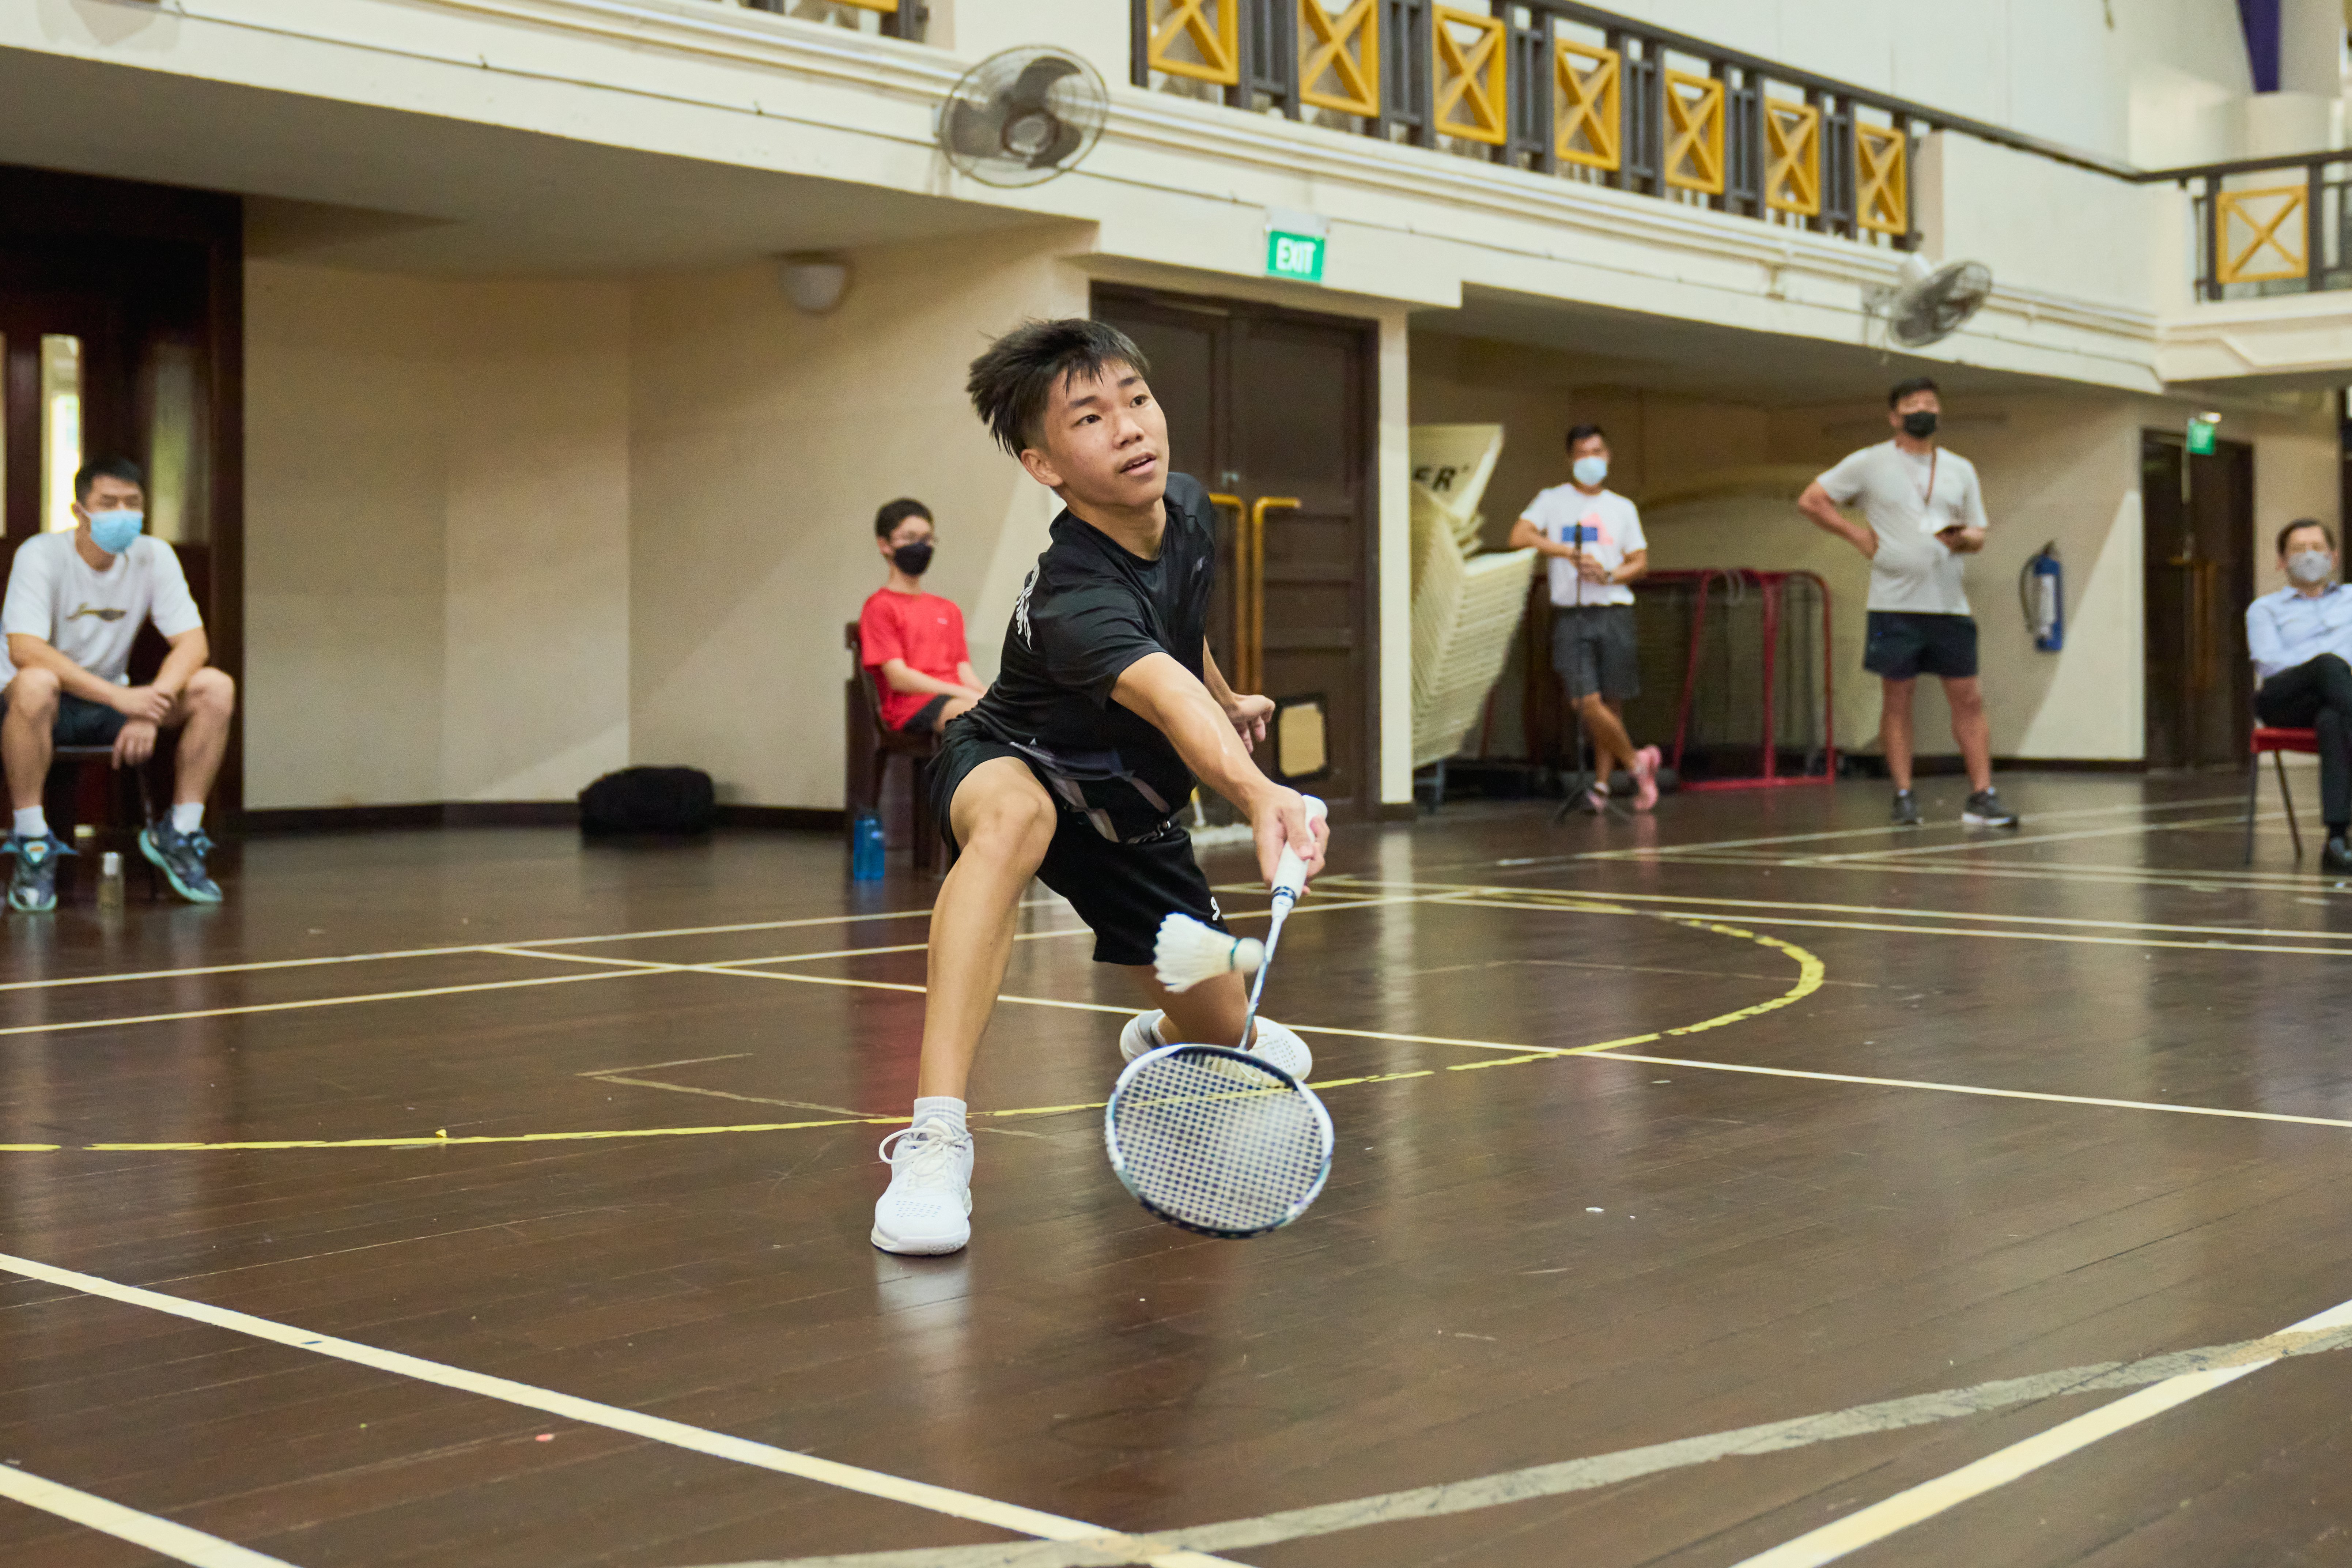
(1122, 891)
(80, 722)
(1593, 650)
(926, 719)
(1906, 643)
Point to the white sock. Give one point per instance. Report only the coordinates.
(32, 822)
(944, 1106)
(187, 815)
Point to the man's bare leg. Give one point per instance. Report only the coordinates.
(1971, 729)
(202, 715)
(1003, 820)
(1895, 729)
(1210, 1014)
(27, 737)
(1608, 731)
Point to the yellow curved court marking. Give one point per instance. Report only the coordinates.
(1809, 980)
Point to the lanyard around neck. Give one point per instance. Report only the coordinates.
(1928, 496)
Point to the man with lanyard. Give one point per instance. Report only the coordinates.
(1072, 767)
(2300, 638)
(1593, 537)
(1925, 511)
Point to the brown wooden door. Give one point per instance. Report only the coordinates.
(2199, 574)
(1273, 409)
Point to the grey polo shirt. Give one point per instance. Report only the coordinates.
(1907, 501)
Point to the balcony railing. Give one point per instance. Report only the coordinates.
(2269, 226)
(891, 18)
(1570, 91)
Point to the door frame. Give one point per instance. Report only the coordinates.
(1367, 334)
(2232, 463)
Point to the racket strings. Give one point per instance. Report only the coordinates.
(1218, 1143)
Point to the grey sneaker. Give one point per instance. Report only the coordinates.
(1984, 810)
(181, 857)
(32, 887)
(1906, 809)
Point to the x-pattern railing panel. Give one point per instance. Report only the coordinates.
(1340, 64)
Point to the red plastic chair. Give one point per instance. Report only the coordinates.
(2277, 742)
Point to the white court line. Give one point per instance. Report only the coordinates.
(1882, 830)
(2012, 840)
(1923, 1501)
(1593, 1471)
(160, 1536)
(1508, 891)
(242, 1009)
(590, 1413)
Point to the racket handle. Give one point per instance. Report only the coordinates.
(1290, 872)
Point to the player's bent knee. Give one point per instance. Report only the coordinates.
(214, 689)
(34, 691)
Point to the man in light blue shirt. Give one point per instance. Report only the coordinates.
(2300, 638)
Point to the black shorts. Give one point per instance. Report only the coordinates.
(1121, 890)
(926, 719)
(1593, 650)
(80, 722)
(1906, 643)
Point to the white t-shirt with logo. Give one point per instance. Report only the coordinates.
(93, 617)
(1612, 531)
(1908, 501)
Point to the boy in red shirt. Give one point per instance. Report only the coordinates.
(913, 641)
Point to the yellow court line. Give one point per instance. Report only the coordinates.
(1809, 980)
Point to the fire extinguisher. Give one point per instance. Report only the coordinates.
(2041, 591)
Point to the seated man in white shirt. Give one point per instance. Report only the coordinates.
(74, 606)
(2300, 638)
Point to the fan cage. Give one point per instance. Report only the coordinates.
(1753, 707)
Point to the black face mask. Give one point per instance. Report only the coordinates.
(1920, 424)
(914, 559)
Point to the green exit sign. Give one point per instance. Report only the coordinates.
(2201, 437)
(1297, 256)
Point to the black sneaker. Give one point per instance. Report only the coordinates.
(181, 857)
(33, 887)
(2337, 856)
(1984, 810)
(1906, 809)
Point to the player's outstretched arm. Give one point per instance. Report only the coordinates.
(1164, 694)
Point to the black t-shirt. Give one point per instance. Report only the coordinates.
(1090, 610)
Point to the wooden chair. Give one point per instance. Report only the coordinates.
(868, 744)
(84, 784)
(2277, 742)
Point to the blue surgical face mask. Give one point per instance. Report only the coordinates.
(112, 531)
(1589, 471)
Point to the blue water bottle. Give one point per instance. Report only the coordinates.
(865, 847)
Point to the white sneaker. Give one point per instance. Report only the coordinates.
(1276, 1044)
(928, 1208)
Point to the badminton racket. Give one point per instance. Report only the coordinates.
(1221, 1142)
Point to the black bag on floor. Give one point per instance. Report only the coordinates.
(649, 800)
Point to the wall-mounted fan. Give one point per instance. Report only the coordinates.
(1024, 116)
(1928, 306)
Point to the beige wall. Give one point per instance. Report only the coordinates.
(437, 521)
(761, 441)
(2057, 467)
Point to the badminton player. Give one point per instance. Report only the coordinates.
(1106, 710)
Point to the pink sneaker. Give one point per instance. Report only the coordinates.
(1645, 779)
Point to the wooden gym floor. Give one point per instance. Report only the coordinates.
(1748, 1184)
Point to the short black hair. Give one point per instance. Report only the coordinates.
(1903, 389)
(1012, 383)
(1579, 432)
(2288, 531)
(99, 468)
(893, 513)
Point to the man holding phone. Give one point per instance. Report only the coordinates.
(1925, 511)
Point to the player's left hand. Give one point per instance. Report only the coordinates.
(1590, 570)
(1249, 716)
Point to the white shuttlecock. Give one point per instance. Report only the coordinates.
(1191, 951)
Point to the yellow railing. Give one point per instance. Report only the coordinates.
(1587, 82)
(1339, 55)
(1197, 38)
(1792, 157)
(1882, 195)
(2259, 235)
(1693, 160)
(1467, 66)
